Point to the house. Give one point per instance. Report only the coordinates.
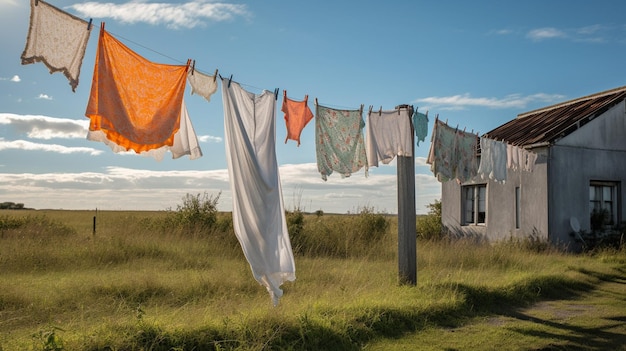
(579, 173)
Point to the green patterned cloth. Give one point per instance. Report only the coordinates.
(420, 123)
(339, 141)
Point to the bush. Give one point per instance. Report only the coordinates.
(337, 235)
(429, 227)
(196, 213)
(33, 227)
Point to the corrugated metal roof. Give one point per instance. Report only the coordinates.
(551, 123)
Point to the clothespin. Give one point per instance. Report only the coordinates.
(361, 110)
(284, 93)
(36, 2)
(101, 26)
(89, 24)
(276, 93)
(193, 66)
(230, 80)
(380, 112)
(315, 101)
(370, 112)
(215, 76)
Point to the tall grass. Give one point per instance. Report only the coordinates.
(144, 283)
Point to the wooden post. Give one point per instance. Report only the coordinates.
(407, 235)
(94, 223)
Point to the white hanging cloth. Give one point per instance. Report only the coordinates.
(258, 208)
(57, 39)
(389, 135)
(202, 84)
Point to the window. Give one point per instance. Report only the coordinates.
(474, 204)
(518, 195)
(603, 204)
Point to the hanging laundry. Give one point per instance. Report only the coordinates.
(297, 116)
(529, 161)
(202, 84)
(493, 160)
(134, 102)
(465, 156)
(339, 141)
(57, 39)
(420, 123)
(389, 135)
(442, 154)
(258, 210)
(512, 157)
(185, 141)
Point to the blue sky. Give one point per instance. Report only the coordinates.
(475, 63)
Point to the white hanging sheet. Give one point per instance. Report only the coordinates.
(258, 209)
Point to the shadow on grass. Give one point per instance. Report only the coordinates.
(371, 324)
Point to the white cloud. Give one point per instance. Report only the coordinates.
(209, 139)
(30, 146)
(44, 97)
(186, 15)
(590, 34)
(459, 102)
(44, 127)
(8, 2)
(158, 190)
(545, 33)
(16, 79)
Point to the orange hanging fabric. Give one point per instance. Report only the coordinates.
(297, 115)
(134, 102)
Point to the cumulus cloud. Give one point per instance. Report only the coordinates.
(44, 97)
(545, 33)
(15, 79)
(186, 15)
(142, 189)
(463, 101)
(44, 127)
(209, 139)
(30, 146)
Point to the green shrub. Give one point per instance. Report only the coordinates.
(33, 227)
(429, 227)
(337, 235)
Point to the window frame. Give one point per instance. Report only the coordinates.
(474, 204)
(599, 188)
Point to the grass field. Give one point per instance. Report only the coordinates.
(143, 283)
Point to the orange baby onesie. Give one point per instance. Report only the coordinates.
(297, 115)
(135, 102)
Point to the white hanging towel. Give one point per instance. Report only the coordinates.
(57, 39)
(258, 209)
(185, 141)
(389, 135)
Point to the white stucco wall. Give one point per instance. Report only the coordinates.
(595, 152)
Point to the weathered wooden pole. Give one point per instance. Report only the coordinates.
(407, 236)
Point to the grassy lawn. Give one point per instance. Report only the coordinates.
(147, 282)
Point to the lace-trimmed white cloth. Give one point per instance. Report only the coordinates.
(57, 39)
(202, 84)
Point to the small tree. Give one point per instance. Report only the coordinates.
(429, 226)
